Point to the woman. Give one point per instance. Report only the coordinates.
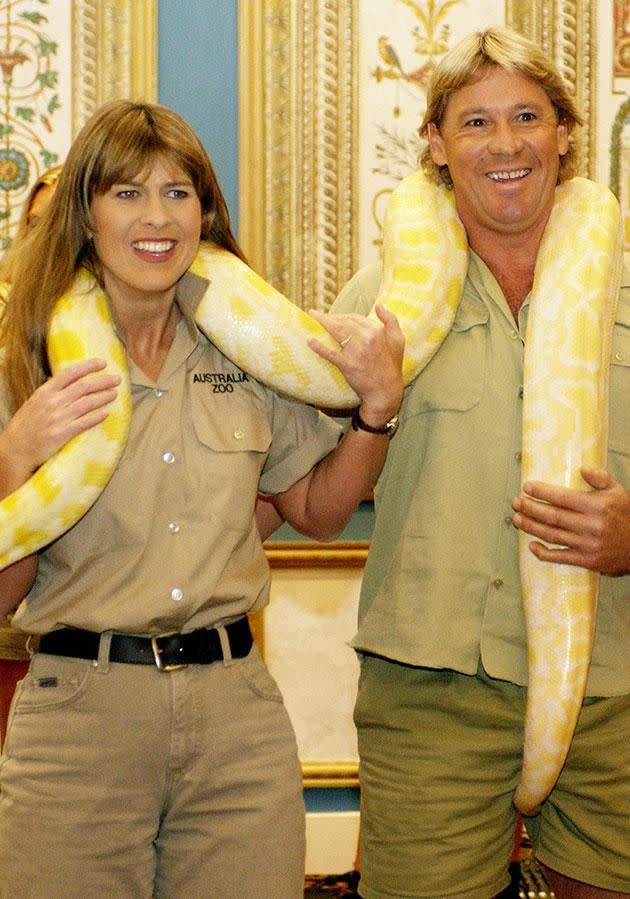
(119, 777)
(13, 654)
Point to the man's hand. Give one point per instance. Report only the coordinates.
(370, 357)
(590, 529)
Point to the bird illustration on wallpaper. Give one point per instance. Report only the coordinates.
(397, 149)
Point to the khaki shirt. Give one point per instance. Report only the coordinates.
(172, 543)
(441, 586)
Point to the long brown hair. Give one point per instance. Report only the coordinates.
(115, 145)
(507, 50)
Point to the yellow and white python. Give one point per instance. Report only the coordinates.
(425, 263)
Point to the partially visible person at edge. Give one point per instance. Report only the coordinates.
(35, 205)
(121, 777)
(441, 636)
(13, 652)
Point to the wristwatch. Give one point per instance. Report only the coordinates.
(388, 429)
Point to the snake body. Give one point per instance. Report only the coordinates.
(425, 264)
(258, 329)
(565, 409)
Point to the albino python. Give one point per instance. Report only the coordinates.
(425, 264)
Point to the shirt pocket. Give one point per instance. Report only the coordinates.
(454, 378)
(233, 434)
(234, 442)
(236, 423)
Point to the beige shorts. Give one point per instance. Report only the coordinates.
(118, 780)
(440, 759)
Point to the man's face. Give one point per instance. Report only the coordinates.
(501, 140)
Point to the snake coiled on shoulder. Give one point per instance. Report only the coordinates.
(425, 263)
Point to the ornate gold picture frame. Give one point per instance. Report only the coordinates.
(114, 54)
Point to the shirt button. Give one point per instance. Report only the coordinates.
(158, 393)
(177, 594)
(521, 393)
(508, 520)
(497, 583)
(169, 458)
(618, 357)
(518, 456)
(173, 527)
(238, 435)
(514, 335)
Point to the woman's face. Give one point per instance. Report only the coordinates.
(146, 232)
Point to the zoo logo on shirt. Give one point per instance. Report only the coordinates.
(221, 382)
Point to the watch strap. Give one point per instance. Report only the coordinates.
(388, 429)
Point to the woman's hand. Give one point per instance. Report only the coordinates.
(67, 404)
(369, 356)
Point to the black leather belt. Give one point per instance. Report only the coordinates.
(166, 651)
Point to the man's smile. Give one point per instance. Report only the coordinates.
(515, 175)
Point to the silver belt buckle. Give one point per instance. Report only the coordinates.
(157, 657)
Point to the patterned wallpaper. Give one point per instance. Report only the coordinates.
(60, 59)
(33, 101)
(403, 40)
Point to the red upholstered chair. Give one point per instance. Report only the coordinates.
(13, 667)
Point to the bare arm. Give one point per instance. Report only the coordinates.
(64, 406)
(321, 503)
(268, 519)
(591, 529)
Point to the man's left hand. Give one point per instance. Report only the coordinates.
(590, 529)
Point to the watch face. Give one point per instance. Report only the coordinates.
(388, 429)
(392, 426)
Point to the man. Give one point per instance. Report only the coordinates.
(441, 634)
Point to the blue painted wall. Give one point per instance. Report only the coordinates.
(197, 76)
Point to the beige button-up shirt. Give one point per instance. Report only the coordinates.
(441, 586)
(171, 543)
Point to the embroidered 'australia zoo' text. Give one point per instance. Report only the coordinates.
(222, 382)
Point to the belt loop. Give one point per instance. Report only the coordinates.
(225, 645)
(31, 648)
(102, 662)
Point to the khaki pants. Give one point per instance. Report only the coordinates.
(121, 781)
(440, 759)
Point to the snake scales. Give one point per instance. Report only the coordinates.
(425, 263)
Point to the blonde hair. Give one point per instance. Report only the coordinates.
(48, 178)
(119, 141)
(507, 50)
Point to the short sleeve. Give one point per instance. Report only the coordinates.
(302, 436)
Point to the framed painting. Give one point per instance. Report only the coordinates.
(60, 60)
(307, 629)
(304, 634)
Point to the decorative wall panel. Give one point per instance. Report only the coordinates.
(60, 60)
(332, 92)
